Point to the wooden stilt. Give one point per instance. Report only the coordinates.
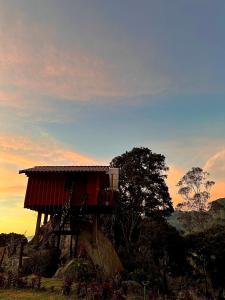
(38, 222)
(95, 229)
(71, 246)
(45, 219)
(58, 241)
(76, 242)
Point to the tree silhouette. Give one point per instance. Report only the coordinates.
(194, 187)
(142, 193)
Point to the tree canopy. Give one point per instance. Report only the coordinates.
(143, 193)
(194, 187)
(142, 184)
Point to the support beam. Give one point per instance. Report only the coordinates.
(71, 246)
(76, 242)
(58, 241)
(45, 219)
(38, 222)
(95, 229)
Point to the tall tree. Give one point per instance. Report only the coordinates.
(194, 187)
(142, 191)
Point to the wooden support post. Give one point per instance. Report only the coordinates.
(76, 242)
(71, 246)
(45, 219)
(58, 241)
(95, 230)
(38, 223)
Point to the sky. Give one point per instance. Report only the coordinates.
(82, 81)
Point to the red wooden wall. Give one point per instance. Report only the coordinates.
(51, 190)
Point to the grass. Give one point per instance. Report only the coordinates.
(48, 292)
(27, 294)
(13, 294)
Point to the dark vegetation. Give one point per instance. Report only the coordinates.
(185, 261)
(7, 239)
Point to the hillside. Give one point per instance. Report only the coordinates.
(214, 216)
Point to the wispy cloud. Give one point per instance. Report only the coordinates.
(216, 164)
(18, 152)
(32, 60)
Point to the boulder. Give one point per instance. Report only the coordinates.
(76, 269)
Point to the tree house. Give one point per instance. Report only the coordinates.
(70, 192)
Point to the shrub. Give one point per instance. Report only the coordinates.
(66, 287)
(36, 281)
(2, 281)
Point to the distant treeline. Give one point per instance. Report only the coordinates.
(5, 238)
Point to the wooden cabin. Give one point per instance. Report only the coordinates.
(49, 188)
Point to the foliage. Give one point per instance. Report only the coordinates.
(2, 280)
(100, 289)
(160, 252)
(142, 192)
(6, 238)
(207, 256)
(36, 281)
(194, 187)
(66, 286)
(138, 275)
(44, 262)
(196, 221)
(13, 280)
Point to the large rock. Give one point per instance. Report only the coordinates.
(98, 247)
(74, 268)
(101, 251)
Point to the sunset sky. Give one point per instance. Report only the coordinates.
(82, 81)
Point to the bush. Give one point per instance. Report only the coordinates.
(43, 262)
(2, 281)
(138, 275)
(36, 281)
(66, 287)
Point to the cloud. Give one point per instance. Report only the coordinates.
(216, 164)
(11, 99)
(23, 151)
(37, 64)
(32, 59)
(18, 152)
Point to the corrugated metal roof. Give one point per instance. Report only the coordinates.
(65, 169)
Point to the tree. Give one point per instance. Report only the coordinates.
(160, 251)
(142, 193)
(194, 187)
(206, 252)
